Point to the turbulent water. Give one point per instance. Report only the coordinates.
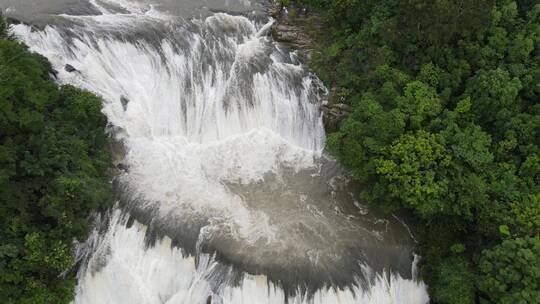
(224, 192)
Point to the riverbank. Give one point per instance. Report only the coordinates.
(54, 175)
(224, 166)
(301, 27)
(443, 123)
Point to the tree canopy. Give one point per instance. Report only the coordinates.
(54, 159)
(446, 125)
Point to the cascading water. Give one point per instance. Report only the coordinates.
(225, 195)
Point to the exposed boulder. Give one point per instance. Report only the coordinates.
(70, 69)
(292, 34)
(122, 167)
(124, 101)
(54, 74)
(290, 28)
(113, 130)
(334, 114)
(343, 108)
(274, 9)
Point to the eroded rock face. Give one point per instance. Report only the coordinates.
(287, 29)
(291, 28)
(334, 114)
(292, 34)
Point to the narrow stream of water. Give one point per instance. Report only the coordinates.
(225, 194)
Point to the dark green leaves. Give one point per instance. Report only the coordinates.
(53, 164)
(446, 124)
(413, 169)
(510, 272)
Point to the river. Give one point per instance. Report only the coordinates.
(224, 191)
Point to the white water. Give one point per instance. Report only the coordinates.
(162, 275)
(215, 103)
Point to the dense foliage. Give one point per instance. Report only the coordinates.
(53, 163)
(446, 124)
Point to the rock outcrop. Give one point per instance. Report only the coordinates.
(124, 101)
(334, 114)
(290, 28)
(70, 69)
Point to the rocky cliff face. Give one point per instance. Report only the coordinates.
(297, 27)
(291, 27)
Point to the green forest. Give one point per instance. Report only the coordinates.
(54, 160)
(445, 126)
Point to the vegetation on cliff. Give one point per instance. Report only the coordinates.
(53, 164)
(446, 124)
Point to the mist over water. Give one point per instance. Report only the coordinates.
(226, 194)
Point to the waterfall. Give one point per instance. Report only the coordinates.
(226, 194)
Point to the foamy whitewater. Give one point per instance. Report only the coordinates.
(224, 194)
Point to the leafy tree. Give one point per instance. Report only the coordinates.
(439, 21)
(368, 131)
(54, 160)
(446, 124)
(411, 171)
(419, 103)
(455, 277)
(494, 94)
(510, 272)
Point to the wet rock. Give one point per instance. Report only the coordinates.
(296, 37)
(54, 74)
(118, 151)
(334, 114)
(70, 69)
(290, 28)
(122, 167)
(342, 107)
(124, 101)
(112, 129)
(274, 10)
(292, 34)
(338, 109)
